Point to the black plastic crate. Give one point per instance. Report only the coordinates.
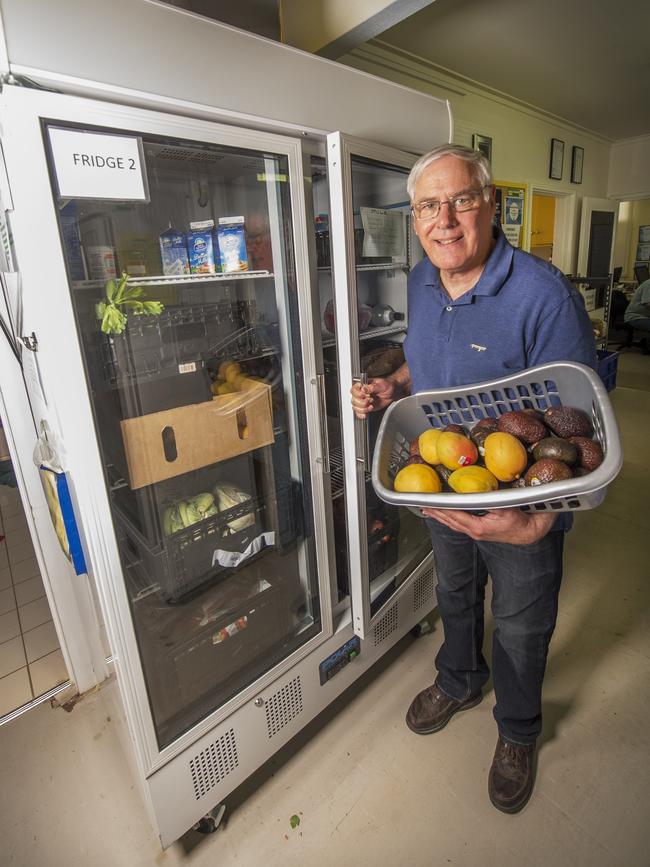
(204, 650)
(209, 550)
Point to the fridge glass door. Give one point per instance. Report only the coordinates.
(194, 367)
(374, 249)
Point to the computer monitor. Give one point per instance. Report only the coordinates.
(616, 274)
(642, 273)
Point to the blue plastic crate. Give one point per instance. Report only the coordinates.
(607, 367)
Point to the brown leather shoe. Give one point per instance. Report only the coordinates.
(432, 709)
(510, 783)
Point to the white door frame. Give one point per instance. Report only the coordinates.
(564, 228)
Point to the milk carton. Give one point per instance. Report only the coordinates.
(173, 253)
(231, 237)
(200, 247)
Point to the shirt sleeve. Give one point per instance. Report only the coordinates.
(564, 333)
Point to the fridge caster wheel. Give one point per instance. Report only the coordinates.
(420, 628)
(209, 823)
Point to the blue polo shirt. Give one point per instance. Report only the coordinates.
(522, 312)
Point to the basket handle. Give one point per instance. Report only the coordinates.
(361, 430)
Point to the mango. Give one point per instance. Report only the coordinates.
(427, 445)
(472, 480)
(417, 478)
(455, 450)
(505, 456)
(231, 371)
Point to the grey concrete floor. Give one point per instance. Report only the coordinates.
(368, 791)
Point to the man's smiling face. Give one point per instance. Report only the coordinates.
(455, 243)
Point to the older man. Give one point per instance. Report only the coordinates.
(479, 310)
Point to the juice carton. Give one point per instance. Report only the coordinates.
(200, 247)
(173, 253)
(231, 237)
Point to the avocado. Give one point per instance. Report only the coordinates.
(535, 413)
(547, 470)
(558, 448)
(518, 483)
(489, 424)
(443, 472)
(568, 421)
(478, 437)
(522, 425)
(590, 454)
(415, 459)
(414, 448)
(455, 428)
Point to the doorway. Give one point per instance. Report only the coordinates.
(552, 224)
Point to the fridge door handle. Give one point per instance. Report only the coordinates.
(324, 435)
(361, 430)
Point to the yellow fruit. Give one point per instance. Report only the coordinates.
(456, 450)
(221, 372)
(505, 456)
(232, 371)
(222, 388)
(472, 480)
(238, 381)
(427, 445)
(417, 479)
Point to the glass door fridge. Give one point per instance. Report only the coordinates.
(365, 324)
(185, 305)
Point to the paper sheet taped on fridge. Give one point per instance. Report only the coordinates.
(162, 445)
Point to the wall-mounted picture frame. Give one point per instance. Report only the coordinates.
(577, 158)
(556, 165)
(483, 143)
(644, 234)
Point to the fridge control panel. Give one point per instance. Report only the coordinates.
(339, 659)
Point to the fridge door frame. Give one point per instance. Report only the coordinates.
(341, 149)
(49, 312)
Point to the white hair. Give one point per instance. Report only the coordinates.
(479, 165)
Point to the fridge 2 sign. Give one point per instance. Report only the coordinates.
(91, 165)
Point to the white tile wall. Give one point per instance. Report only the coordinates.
(12, 656)
(9, 626)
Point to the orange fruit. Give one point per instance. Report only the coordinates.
(417, 479)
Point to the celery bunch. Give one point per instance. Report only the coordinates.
(118, 294)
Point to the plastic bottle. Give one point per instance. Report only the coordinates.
(383, 314)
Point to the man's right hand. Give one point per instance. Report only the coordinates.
(374, 395)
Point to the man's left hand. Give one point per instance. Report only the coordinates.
(500, 525)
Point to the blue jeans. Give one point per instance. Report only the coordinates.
(525, 586)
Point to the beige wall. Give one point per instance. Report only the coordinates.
(521, 135)
(629, 171)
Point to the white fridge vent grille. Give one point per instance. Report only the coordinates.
(213, 764)
(284, 706)
(424, 589)
(388, 623)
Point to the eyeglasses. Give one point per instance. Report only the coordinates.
(467, 201)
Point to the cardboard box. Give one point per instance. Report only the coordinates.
(166, 444)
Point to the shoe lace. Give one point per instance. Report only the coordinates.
(513, 755)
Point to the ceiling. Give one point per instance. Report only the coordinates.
(586, 61)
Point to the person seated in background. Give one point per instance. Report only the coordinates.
(637, 313)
